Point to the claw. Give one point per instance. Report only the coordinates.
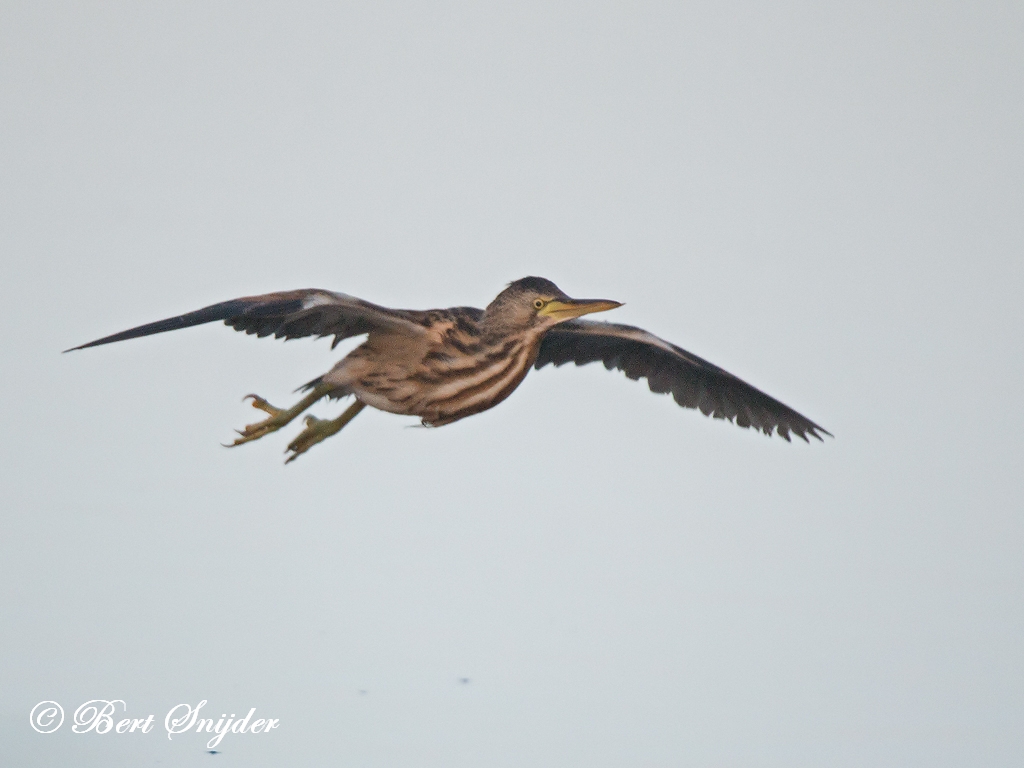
(278, 418)
(260, 404)
(312, 434)
(318, 430)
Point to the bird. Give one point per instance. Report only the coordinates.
(443, 365)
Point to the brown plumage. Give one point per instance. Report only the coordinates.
(445, 364)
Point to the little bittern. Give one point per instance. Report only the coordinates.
(445, 364)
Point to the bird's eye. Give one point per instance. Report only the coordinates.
(538, 303)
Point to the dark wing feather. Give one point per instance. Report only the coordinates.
(288, 315)
(693, 382)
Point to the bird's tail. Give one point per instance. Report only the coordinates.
(311, 384)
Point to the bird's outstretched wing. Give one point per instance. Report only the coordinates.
(693, 382)
(288, 315)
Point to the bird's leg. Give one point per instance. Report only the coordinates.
(278, 416)
(320, 429)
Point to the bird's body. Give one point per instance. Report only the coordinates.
(451, 370)
(445, 364)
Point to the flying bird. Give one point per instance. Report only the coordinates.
(443, 365)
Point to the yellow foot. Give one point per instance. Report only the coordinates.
(278, 418)
(318, 430)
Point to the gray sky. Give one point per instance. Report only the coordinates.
(825, 199)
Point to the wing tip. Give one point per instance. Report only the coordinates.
(815, 429)
(96, 343)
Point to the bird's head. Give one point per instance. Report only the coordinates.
(534, 303)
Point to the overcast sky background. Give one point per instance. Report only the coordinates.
(825, 199)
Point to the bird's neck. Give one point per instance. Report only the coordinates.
(500, 334)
